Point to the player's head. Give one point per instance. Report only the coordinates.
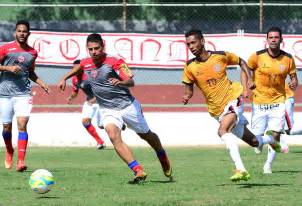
(22, 31)
(195, 41)
(95, 45)
(274, 37)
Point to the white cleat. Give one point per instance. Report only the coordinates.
(258, 149)
(267, 169)
(100, 146)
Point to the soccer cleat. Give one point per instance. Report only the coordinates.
(21, 166)
(140, 177)
(166, 166)
(9, 159)
(285, 149)
(267, 169)
(258, 149)
(276, 146)
(240, 175)
(100, 146)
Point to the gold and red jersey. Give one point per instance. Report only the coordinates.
(211, 78)
(269, 76)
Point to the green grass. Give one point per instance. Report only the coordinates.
(85, 176)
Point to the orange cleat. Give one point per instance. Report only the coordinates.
(21, 166)
(9, 159)
(140, 177)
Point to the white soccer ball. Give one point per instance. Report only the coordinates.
(41, 181)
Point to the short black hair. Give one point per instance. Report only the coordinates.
(23, 22)
(195, 32)
(95, 38)
(274, 28)
(77, 61)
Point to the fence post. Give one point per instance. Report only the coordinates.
(261, 18)
(125, 15)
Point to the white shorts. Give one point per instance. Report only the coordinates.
(18, 106)
(267, 117)
(90, 110)
(235, 106)
(132, 116)
(289, 113)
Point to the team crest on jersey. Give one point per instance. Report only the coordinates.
(94, 73)
(217, 67)
(282, 67)
(21, 59)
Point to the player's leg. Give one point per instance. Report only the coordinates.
(22, 107)
(271, 155)
(88, 112)
(113, 124)
(7, 116)
(227, 123)
(275, 125)
(135, 120)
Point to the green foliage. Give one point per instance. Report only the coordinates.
(85, 176)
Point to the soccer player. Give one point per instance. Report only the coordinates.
(271, 67)
(110, 79)
(90, 107)
(223, 97)
(17, 68)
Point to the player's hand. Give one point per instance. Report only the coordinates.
(15, 69)
(245, 94)
(69, 100)
(114, 81)
(251, 84)
(185, 99)
(293, 85)
(62, 85)
(45, 88)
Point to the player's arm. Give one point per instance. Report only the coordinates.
(34, 77)
(293, 76)
(13, 68)
(236, 60)
(188, 81)
(75, 89)
(75, 70)
(125, 74)
(247, 76)
(188, 93)
(293, 81)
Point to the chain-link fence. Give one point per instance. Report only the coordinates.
(150, 18)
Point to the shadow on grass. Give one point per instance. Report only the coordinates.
(47, 197)
(152, 182)
(251, 185)
(287, 171)
(295, 151)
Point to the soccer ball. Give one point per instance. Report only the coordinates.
(41, 181)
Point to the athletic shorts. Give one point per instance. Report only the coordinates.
(235, 106)
(90, 110)
(132, 116)
(289, 113)
(267, 117)
(18, 106)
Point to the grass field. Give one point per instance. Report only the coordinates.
(85, 176)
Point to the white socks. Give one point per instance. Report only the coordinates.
(231, 145)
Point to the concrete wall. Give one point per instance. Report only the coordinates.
(174, 129)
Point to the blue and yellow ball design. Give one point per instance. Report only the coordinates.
(41, 181)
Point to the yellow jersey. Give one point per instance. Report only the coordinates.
(269, 76)
(211, 78)
(288, 92)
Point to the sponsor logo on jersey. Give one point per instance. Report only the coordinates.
(21, 59)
